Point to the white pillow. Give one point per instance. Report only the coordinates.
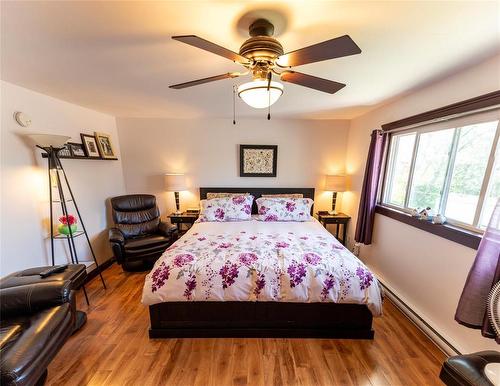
(284, 209)
(236, 208)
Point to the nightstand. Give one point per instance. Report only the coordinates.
(338, 219)
(183, 218)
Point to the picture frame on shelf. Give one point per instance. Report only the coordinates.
(65, 152)
(105, 145)
(258, 160)
(90, 145)
(77, 150)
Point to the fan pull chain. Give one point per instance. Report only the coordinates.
(269, 106)
(269, 77)
(234, 105)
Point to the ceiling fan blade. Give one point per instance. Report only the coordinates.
(198, 42)
(310, 81)
(330, 49)
(204, 80)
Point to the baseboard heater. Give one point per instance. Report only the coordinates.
(443, 344)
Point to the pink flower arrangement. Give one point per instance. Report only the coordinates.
(67, 220)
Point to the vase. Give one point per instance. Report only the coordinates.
(64, 229)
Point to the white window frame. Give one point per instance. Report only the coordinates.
(450, 124)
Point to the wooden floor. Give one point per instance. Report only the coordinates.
(113, 348)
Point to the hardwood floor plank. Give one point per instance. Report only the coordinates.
(114, 348)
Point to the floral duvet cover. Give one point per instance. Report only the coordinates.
(261, 261)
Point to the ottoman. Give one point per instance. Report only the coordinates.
(74, 273)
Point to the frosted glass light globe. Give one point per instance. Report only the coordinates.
(255, 93)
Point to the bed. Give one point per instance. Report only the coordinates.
(259, 279)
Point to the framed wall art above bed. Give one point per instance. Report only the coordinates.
(258, 160)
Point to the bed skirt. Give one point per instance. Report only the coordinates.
(260, 319)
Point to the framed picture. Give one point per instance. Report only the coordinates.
(258, 160)
(90, 146)
(105, 145)
(65, 152)
(77, 150)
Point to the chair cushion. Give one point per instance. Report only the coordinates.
(133, 202)
(146, 242)
(29, 343)
(135, 214)
(468, 370)
(76, 273)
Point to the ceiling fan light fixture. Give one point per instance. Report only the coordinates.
(256, 94)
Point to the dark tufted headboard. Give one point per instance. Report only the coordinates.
(258, 192)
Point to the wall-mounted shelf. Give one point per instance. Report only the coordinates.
(44, 155)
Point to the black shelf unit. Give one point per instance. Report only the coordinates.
(57, 180)
(45, 155)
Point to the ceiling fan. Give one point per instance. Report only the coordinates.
(263, 56)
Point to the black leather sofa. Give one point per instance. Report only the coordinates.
(37, 315)
(139, 237)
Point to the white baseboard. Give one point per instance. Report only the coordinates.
(423, 325)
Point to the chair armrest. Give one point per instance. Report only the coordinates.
(30, 298)
(116, 236)
(167, 229)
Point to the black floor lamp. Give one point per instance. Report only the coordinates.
(52, 144)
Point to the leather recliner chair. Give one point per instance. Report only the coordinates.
(139, 237)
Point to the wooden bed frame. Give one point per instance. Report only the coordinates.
(260, 319)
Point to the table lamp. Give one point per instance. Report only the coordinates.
(335, 183)
(175, 182)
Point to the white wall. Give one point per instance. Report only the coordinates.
(24, 182)
(207, 152)
(426, 271)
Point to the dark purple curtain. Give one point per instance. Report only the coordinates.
(368, 199)
(484, 274)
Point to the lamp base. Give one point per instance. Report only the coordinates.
(177, 206)
(334, 201)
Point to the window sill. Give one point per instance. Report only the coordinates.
(461, 236)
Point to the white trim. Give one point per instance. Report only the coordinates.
(486, 178)
(409, 183)
(497, 160)
(449, 171)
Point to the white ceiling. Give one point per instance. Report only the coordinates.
(117, 57)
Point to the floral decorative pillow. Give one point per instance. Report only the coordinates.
(235, 208)
(284, 209)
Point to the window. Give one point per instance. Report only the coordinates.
(452, 167)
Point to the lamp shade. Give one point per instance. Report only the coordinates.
(175, 182)
(49, 140)
(335, 183)
(257, 95)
